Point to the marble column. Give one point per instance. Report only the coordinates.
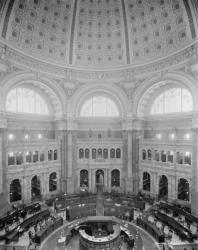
(172, 186)
(155, 184)
(129, 179)
(70, 181)
(69, 149)
(42, 183)
(46, 177)
(90, 180)
(93, 180)
(194, 193)
(27, 188)
(108, 180)
(78, 179)
(141, 180)
(63, 142)
(23, 188)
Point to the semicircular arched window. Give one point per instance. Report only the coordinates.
(173, 100)
(99, 106)
(25, 100)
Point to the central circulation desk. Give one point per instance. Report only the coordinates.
(109, 242)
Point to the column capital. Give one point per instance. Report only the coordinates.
(71, 132)
(129, 131)
(60, 125)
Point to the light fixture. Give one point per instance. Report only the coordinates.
(171, 153)
(11, 154)
(10, 136)
(172, 136)
(27, 136)
(159, 136)
(187, 153)
(27, 153)
(40, 136)
(187, 136)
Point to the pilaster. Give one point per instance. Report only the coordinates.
(109, 180)
(90, 180)
(129, 179)
(26, 187)
(172, 192)
(105, 179)
(93, 180)
(61, 135)
(155, 184)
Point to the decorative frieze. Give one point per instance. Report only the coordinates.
(25, 61)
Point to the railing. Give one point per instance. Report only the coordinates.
(108, 161)
(17, 247)
(171, 165)
(167, 141)
(192, 246)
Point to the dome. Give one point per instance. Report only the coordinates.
(97, 34)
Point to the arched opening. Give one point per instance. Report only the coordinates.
(143, 154)
(118, 153)
(28, 156)
(11, 158)
(84, 178)
(15, 190)
(105, 153)
(187, 158)
(26, 100)
(99, 106)
(112, 153)
(163, 156)
(99, 153)
(35, 156)
(86, 153)
(115, 178)
(50, 154)
(35, 187)
(99, 180)
(157, 155)
(81, 153)
(172, 100)
(183, 190)
(93, 153)
(55, 154)
(99, 177)
(52, 182)
(179, 158)
(146, 181)
(149, 154)
(170, 156)
(163, 187)
(19, 158)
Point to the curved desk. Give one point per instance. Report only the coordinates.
(111, 241)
